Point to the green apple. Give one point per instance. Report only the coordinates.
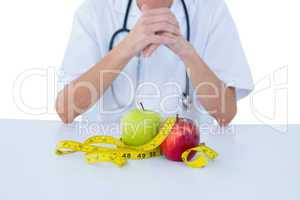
(139, 126)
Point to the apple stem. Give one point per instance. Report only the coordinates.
(177, 117)
(142, 106)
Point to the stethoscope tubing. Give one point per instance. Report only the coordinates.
(124, 29)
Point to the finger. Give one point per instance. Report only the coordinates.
(167, 34)
(148, 51)
(147, 48)
(160, 39)
(171, 19)
(175, 44)
(163, 27)
(145, 7)
(156, 11)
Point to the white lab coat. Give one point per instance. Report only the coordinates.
(213, 35)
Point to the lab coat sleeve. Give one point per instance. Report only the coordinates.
(82, 51)
(224, 54)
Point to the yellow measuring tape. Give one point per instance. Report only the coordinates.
(121, 152)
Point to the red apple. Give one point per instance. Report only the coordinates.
(184, 135)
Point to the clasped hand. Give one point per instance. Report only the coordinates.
(154, 28)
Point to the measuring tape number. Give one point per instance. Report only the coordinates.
(120, 153)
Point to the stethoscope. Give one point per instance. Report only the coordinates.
(186, 100)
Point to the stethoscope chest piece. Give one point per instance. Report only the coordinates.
(186, 102)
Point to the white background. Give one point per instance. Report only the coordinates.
(34, 34)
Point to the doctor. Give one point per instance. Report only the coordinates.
(168, 54)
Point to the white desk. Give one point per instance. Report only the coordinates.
(255, 163)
